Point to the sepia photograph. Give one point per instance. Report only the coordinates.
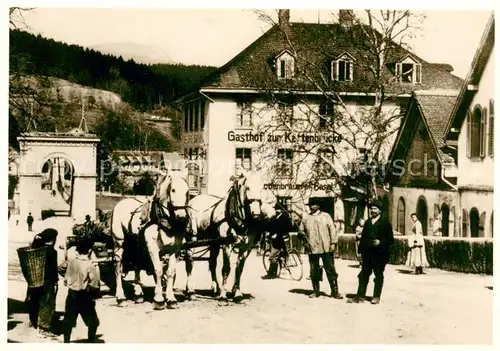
(250, 176)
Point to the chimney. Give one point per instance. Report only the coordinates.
(346, 18)
(284, 18)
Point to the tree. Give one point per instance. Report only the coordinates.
(336, 136)
(29, 94)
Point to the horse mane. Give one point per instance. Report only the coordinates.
(233, 212)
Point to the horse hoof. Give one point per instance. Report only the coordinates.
(120, 303)
(157, 306)
(139, 299)
(172, 305)
(238, 298)
(223, 301)
(191, 296)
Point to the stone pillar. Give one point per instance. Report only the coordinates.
(29, 193)
(84, 197)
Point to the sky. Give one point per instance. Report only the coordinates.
(213, 36)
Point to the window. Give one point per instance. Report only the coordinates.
(285, 112)
(344, 71)
(342, 68)
(465, 223)
(401, 216)
(202, 115)
(196, 115)
(409, 72)
(285, 66)
(243, 160)
(193, 153)
(286, 202)
(324, 162)
(244, 114)
(186, 117)
(476, 122)
(326, 115)
(491, 129)
(285, 163)
(474, 223)
(191, 117)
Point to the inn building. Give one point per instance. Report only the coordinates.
(229, 120)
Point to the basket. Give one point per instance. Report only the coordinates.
(33, 265)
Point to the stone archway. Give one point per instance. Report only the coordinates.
(422, 213)
(71, 159)
(57, 184)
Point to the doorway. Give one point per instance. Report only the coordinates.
(422, 213)
(445, 220)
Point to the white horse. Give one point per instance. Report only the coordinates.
(166, 229)
(228, 220)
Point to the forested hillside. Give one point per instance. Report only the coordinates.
(144, 87)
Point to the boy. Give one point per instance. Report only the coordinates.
(82, 279)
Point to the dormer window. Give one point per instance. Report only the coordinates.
(342, 68)
(409, 70)
(285, 65)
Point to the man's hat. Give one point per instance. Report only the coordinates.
(376, 203)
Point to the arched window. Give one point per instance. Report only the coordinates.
(465, 223)
(422, 213)
(445, 219)
(401, 216)
(474, 223)
(476, 123)
(482, 225)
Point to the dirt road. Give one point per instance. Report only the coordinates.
(436, 308)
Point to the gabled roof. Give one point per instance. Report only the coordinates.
(434, 108)
(252, 69)
(478, 66)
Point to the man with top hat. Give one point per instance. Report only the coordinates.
(376, 238)
(318, 229)
(279, 228)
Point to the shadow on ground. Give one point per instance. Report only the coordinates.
(404, 271)
(16, 306)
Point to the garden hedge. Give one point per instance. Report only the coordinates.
(471, 255)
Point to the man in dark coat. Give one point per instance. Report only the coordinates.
(376, 238)
(30, 221)
(279, 228)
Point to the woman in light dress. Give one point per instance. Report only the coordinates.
(417, 257)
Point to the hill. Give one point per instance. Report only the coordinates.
(144, 87)
(147, 54)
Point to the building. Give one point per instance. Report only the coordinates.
(470, 131)
(422, 171)
(134, 164)
(230, 119)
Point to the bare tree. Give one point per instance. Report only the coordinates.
(29, 94)
(331, 134)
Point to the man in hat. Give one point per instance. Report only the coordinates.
(279, 228)
(318, 228)
(376, 238)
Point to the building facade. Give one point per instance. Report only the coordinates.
(422, 170)
(243, 118)
(470, 131)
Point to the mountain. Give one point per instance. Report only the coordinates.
(147, 54)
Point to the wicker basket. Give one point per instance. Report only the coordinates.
(33, 265)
